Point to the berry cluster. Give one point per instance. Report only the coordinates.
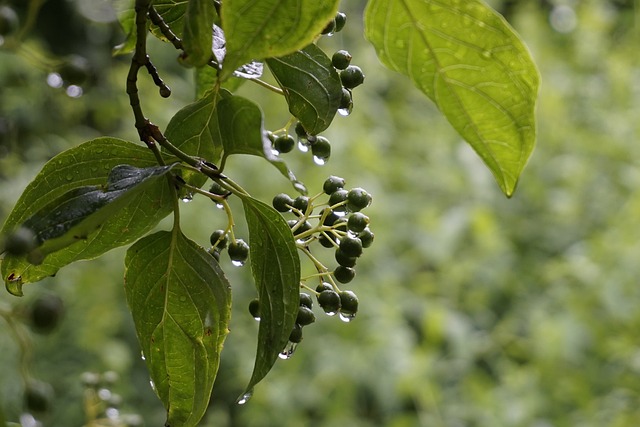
(237, 249)
(337, 224)
(105, 404)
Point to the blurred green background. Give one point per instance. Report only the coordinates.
(475, 310)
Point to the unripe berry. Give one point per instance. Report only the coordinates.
(341, 59)
(358, 199)
(324, 286)
(357, 222)
(284, 143)
(348, 303)
(305, 300)
(321, 148)
(301, 203)
(344, 274)
(332, 184)
(329, 28)
(219, 239)
(351, 246)
(329, 300)
(340, 20)
(345, 260)
(366, 236)
(282, 202)
(46, 313)
(296, 334)
(337, 197)
(238, 251)
(20, 242)
(254, 308)
(351, 77)
(305, 316)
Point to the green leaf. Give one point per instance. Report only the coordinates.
(85, 165)
(195, 131)
(242, 132)
(126, 16)
(275, 266)
(198, 29)
(471, 63)
(258, 29)
(79, 212)
(173, 13)
(181, 304)
(311, 86)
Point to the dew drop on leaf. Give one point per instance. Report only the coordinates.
(347, 317)
(288, 351)
(303, 146)
(237, 263)
(320, 161)
(245, 398)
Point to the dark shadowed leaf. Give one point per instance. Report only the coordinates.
(181, 304)
(197, 36)
(88, 164)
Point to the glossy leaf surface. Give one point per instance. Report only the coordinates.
(470, 62)
(275, 266)
(86, 165)
(311, 86)
(181, 305)
(258, 29)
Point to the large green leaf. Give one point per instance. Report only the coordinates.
(181, 305)
(242, 132)
(258, 29)
(195, 130)
(86, 165)
(311, 86)
(126, 16)
(471, 63)
(198, 30)
(275, 265)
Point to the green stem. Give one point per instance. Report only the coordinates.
(268, 86)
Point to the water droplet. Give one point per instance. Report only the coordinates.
(320, 161)
(28, 420)
(486, 54)
(99, 150)
(153, 385)
(347, 317)
(54, 80)
(142, 356)
(257, 318)
(345, 111)
(74, 91)
(104, 394)
(330, 313)
(288, 351)
(187, 198)
(245, 398)
(183, 298)
(303, 146)
(237, 263)
(275, 152)
(69, 177)
(219, 206)
(112, 413)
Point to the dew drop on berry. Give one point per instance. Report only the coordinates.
(288, 351)
(303, 146)
(347, 317)
(320, 161)
(345, 111)
(237, 263)
(187, 198)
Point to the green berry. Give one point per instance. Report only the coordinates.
(348, 303)
(341, 59)
(284, 143)
(215, 253)
(38, 396)
(254, 308)
(321, 148)
(219, 239)
(329, 28)
(346, 101)
(341, 20)
(324, 286)
(351, 246)
(330, 219)
(305, 316)
(337, 197)
(345, 260)
(20, 242)
(351, 77)
(296, 334)
(329, 300)
(282, 202)
(344, 274)
(217, 189)
(357, 222)
(45, 313)
(300, 130)
(301, 203)
(333, 184)
(238, 251)
(358, 199)
(366, 236)
(8, 21)
(325, 241)
(305, 300)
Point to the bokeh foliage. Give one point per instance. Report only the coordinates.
(474, 310)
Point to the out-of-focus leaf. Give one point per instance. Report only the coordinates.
(181, 304)
(258, 29)
(126, 16)
(275, 266)
(311, 86)
(471, 63)
(197, 37)
(242, 132)
(88, 164)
